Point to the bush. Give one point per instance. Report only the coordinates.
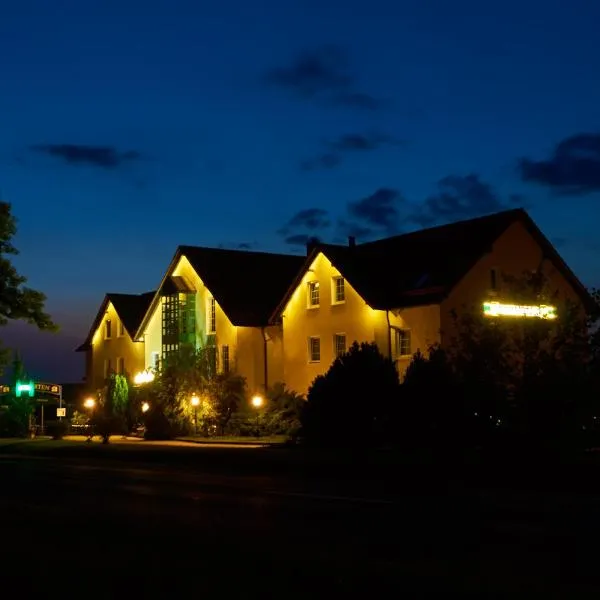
(283, 412)
(354, 402)
(57, 429)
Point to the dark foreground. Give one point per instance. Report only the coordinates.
(259, 523)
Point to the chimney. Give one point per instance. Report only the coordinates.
(351, 241)
(311, 244)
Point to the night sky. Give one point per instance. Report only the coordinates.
(131, 127)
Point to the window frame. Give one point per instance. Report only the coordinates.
(225, 359)
(398, 342)
(310, 286)
(108, 329)
(121, 365)
(336, 336)
(211, 316)
(334, 290)
(121, 329)
(311, 358)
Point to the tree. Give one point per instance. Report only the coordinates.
(224, 392)
(17, 418)
(354, 402)
(17, 302)
(111, 414)
(533, 378)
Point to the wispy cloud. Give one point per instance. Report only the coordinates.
(311, 219)
(460, 197)
(106, 157)
(322, 74)
(346, 143)
(572, 169)
(379, 210)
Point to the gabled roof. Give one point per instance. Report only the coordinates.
(130, 308)
(422, 267)
(246, 285)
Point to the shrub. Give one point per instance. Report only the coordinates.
(283, 411)
(354, 402)
(57, 429)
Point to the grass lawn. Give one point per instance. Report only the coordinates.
(233, 439)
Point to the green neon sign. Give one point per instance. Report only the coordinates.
(24, 388)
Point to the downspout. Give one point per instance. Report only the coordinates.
(389, 333)
(265, 365)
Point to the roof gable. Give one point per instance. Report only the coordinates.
(246, 285)
(130, 308)
(421, 267)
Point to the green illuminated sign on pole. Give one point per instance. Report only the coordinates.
(24, 388)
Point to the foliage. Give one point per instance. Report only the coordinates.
(17, 302)
(57, 429)
(354, 401)
(282, 412)
(192, 372)
(532, 381)
(17, 417)
(110, 414)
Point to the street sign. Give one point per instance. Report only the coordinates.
(61, 412)
(48, 388)
(24, 387)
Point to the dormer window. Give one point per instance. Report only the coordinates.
(108, 329)
(313, 294)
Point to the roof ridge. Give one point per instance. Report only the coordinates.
(489, 216)
(183, 247)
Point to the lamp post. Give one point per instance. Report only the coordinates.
(145, 407)
(257, 402)
(195, 403)
(90, 403)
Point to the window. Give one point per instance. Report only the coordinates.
(339, 290)
(121, 329)
(107, 368)
(314, 349)
(339, 344)
(108, 329)
(212, 316)
(493, 280)
(155, 360)
(225, 358)
(402, 343)
(121, 366)
(313, 294)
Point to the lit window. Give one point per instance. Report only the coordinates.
(313, 294)
(121, 363)
(314, 349)
(339, 290)
(212, 315)
(108, 329)
(225, 358)
(339, 344)
(121, 329)
(154, 360)
(402, 343)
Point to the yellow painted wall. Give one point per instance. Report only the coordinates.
(354, 318)
(153, 336)
(513, 252)
(114, 348)
(423, 322)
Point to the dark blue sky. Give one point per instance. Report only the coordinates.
(131, 127)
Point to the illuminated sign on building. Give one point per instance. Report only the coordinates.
(497, 309)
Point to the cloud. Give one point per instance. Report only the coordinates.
(329, 160)
(573, 169)
(106, 157)
(322, 74)
(460, 197)
(311, 219)
(349, 142)
(238, 245)
(301, 239)
(347, 228)
(379, 210)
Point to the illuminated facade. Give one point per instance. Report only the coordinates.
(276, 317)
